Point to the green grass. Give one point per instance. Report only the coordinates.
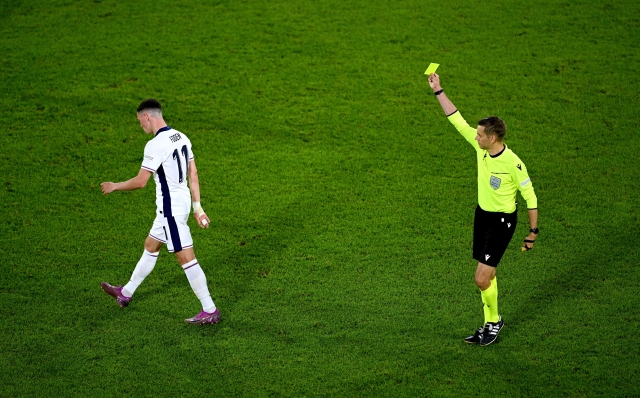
(340, 197)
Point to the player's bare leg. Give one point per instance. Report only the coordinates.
(198, 282)
(152, 245)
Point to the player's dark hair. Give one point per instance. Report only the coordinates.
(495, 126)
(148, 104)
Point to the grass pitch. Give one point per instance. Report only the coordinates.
(341, 199)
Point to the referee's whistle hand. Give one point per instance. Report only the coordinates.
(528, 243)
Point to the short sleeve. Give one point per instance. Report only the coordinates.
(152, 157)
(191, 155)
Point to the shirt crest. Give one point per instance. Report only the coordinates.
(495, 182)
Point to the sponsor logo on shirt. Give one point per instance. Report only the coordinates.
(148, 157)
(525, 182)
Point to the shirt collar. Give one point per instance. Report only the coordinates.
(499, 153)
(165, 128)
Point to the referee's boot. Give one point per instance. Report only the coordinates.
(476, 337)
(491, 330)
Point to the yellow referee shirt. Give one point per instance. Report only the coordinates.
(499, 176)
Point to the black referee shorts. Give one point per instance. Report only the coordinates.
(492, 233)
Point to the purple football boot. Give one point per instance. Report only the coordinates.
(116, 292)
(204, 318)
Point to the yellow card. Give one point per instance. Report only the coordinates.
(431, 69)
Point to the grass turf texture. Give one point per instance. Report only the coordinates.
(340, 197)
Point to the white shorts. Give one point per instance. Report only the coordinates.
(173, 231)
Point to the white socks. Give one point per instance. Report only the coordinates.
(198, 283)
(143, 269)
(195, 275)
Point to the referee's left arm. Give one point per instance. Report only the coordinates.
(526, 190)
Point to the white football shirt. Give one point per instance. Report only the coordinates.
(167, 155)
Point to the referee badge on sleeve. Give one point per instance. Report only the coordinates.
(495, 182)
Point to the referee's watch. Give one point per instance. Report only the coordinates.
(534, 230)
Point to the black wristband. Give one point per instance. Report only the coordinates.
(439, 92)
(534, 230)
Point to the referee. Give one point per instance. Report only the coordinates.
(501, 174)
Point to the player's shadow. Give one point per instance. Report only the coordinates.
(249, 250)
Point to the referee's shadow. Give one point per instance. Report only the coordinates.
(553, 274)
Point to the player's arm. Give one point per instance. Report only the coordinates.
(445, 103)
(136, 182)
(194, 185)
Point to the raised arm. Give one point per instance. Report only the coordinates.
(136, 182)
(468, 132)
(447, 105)
(194, 185)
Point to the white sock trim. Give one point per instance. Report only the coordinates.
(190, 264)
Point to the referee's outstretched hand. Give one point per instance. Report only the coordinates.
(528, 243)
(434, 82)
